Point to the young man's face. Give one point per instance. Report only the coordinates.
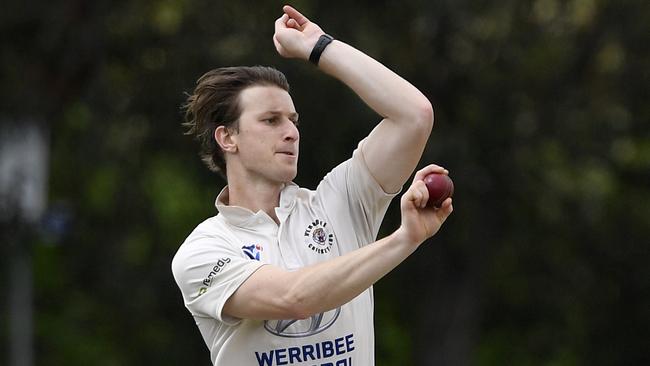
(267, 141)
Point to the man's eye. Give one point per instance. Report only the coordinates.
(296, 122)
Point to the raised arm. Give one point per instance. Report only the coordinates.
(274, 293)
(394, 147)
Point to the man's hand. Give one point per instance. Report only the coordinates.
(295, 36)
(420, 222)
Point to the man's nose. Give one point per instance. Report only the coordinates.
(291, 133)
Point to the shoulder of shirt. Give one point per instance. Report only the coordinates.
(205, 238)
(212, 228)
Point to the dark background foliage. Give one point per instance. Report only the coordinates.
(542, 111)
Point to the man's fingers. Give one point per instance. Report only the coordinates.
(424, 192)
(295, 14)
(281, 22)
(418, 194)
(432, 168)
(291, 23)
(446, 208)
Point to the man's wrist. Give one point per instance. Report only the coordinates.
(402, 238)
(323, 41)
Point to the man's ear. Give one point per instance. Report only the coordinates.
(223, 135)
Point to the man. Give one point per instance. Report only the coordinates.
(283, 275)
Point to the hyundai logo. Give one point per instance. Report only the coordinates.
(298, 328)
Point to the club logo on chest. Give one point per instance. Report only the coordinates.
(319, 237)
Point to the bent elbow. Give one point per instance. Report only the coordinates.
(425, 114)
(421, 118)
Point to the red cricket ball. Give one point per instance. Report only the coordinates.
(440, 187)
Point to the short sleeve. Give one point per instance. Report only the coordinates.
(351, 192)
(208, 270)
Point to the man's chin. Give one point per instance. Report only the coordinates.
(288, 176)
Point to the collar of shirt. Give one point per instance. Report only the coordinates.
(243, 217)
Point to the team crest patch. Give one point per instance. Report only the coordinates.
(253, 251)
(319, 237)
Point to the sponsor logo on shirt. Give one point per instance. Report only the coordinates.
(299, 328)
(329, 352)
(319, 237)
(218, 267)
(253, 251)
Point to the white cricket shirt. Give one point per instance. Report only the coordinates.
(344, 213)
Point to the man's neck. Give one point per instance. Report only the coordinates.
(255, 195)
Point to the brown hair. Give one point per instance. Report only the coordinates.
(215, 102)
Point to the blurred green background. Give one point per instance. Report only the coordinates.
(542, 117)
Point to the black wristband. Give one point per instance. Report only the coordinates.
(323, 41)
